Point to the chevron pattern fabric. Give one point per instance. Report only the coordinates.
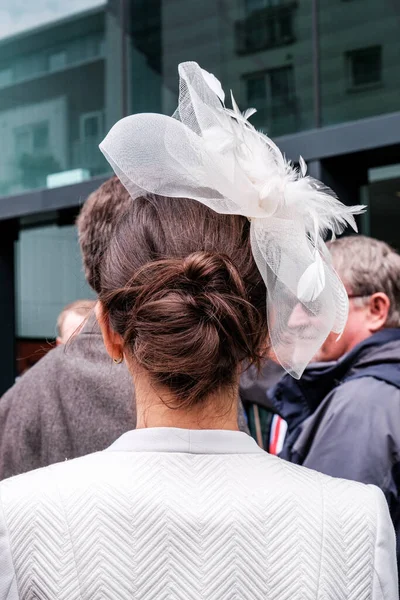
(181, 526)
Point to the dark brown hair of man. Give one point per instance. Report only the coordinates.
(96, 224)
(180, 285)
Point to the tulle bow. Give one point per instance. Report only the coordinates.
(213, 154)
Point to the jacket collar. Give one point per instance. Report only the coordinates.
(381, 338)
(192, 441)
(295, 400)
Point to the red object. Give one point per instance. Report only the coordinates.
(278, 433)
(30, 351)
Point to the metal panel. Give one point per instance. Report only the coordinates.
(345, 138)
(312, 145)
(45, 200)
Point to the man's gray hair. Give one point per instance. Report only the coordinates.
(367, 266)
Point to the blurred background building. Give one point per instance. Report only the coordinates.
(324, 76)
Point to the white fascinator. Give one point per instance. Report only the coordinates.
(212, 154)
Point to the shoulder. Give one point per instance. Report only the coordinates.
(41, 496)
(109, 466)
(102, 473)
(335, 521)
(316, 517)
(305, 482)
(44, 481)
(359, 538)
(364, 393)
(336, 496)
(351, 512)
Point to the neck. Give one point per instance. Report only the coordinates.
(219, 411)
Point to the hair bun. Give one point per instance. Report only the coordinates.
(188, 316)
(214, 272)
(191, 323)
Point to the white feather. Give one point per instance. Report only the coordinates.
(234, 105)
(214, 84)
(309, 201)
(249, 112)
(304, 199)
(303, 166)
(219, 140)
(283, 190)
(312, 282)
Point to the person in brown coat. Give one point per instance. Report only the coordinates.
(75, 400)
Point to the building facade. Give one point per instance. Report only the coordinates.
(324, 76)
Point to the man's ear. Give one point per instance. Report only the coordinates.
(378, 311)
(112, 340)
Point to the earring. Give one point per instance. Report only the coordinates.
(119, 360)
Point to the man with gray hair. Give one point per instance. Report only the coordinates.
(343, 416)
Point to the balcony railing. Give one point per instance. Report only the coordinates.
(266, 28)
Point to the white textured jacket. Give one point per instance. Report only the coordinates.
(171, 514)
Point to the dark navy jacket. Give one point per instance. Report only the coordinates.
(344, 417)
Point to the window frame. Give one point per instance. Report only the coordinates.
(96, 114)
(271, 104)
(350, 55)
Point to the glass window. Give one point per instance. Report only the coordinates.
(364, 66)
(382, 197)
(52, 93)
(266, 29)
(285, 26)
(52, 108)
(18, 17)
(261, 49)
(282, 86)
(31, 138)
(33, 154)
(49, 276)
(359, 59)
(256, 90)
(254, 5)
(30, 65)
(57, 60)
(272, 93)
(91, 126)
(40, 136)
(23, 141)
(6, 76)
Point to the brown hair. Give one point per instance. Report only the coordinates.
(96, 223)
(180, 285)
(79, 307)
(367, 266)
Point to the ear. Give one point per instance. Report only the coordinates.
(378, 311)
(59, 341)
(112, 340)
